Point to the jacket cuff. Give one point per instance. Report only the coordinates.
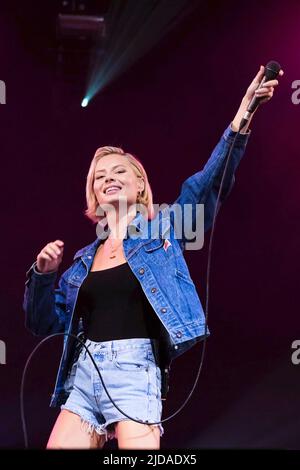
(229, 135)
(33, 272)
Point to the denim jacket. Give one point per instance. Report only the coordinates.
(157, 262)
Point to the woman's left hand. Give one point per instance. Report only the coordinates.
(266, 91)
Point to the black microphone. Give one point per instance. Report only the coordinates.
(272, 70)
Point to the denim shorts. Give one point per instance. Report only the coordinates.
(132, 377)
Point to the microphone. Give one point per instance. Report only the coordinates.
(272, 70)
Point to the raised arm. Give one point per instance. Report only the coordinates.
(203, 186)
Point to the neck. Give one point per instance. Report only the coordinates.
(118, 222)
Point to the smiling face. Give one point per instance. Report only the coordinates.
(115, 179)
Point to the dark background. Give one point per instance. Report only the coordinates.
(170, 109)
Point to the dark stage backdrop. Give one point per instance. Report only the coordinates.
(169, 109)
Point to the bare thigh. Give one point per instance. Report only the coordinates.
(67, 433)
(132, 435)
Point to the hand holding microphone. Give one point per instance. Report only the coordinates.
(261, 89)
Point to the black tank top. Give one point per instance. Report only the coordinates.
(113, 306)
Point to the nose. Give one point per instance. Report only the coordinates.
(109, 178)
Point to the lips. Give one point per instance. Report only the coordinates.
(111, 189)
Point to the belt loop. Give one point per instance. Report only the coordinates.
(155, 349)
(111, 351)
(87, 344)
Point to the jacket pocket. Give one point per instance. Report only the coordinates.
(155, 251)
(153, 245)
(184, 277)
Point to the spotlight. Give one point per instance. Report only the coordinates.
(84, 102)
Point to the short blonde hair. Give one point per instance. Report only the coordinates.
(145, 198)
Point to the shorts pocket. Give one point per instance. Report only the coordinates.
(132, 360)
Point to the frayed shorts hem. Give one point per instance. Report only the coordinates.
(91, 426)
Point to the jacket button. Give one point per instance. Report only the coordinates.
(153, 290)
(163, 310)
(178, 334)
(141, 271)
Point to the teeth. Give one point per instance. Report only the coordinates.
(112, 188)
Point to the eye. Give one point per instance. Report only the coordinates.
(102, 176)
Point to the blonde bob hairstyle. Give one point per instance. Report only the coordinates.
(145, 198)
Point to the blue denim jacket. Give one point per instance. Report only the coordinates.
(160, 269)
